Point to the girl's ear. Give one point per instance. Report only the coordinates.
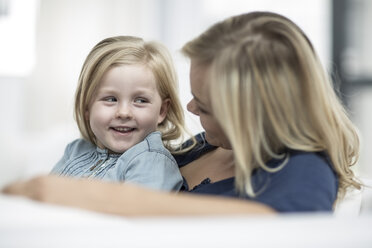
(163, 110)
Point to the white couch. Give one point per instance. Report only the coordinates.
(24, 223)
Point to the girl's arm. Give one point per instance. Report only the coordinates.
(128, 199)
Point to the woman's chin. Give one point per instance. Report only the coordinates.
(217, 142)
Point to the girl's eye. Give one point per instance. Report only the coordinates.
(140, 100)
(110, 99)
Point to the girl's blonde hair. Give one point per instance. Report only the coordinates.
(270, 93)
(129, 50)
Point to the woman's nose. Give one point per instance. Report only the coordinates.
(191, 107)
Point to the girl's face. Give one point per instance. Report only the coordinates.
(125, 108)
(200, 105)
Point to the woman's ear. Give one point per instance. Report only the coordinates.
(163, 110)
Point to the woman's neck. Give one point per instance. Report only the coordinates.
(216, 165)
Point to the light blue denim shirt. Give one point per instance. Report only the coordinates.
(148, 163)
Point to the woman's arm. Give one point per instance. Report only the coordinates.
(127, 199)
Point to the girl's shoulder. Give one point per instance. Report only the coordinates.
(79, 146)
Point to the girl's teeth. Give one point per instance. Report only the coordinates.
(124, 129)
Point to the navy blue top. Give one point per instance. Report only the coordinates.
(306, 183)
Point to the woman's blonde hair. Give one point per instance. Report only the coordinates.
(129, 50)
(270, 93)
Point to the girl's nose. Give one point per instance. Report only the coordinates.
(124, 111)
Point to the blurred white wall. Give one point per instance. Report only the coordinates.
(36, 107)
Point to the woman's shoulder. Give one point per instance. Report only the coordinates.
(200, 148)
(309, 161)
(200, 141)
(305, 167)
(307, 182)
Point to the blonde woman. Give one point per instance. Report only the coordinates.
(127, 110)
(277, 138)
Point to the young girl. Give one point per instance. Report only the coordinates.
(128, 112)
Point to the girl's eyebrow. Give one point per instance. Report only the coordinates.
(113, 90)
